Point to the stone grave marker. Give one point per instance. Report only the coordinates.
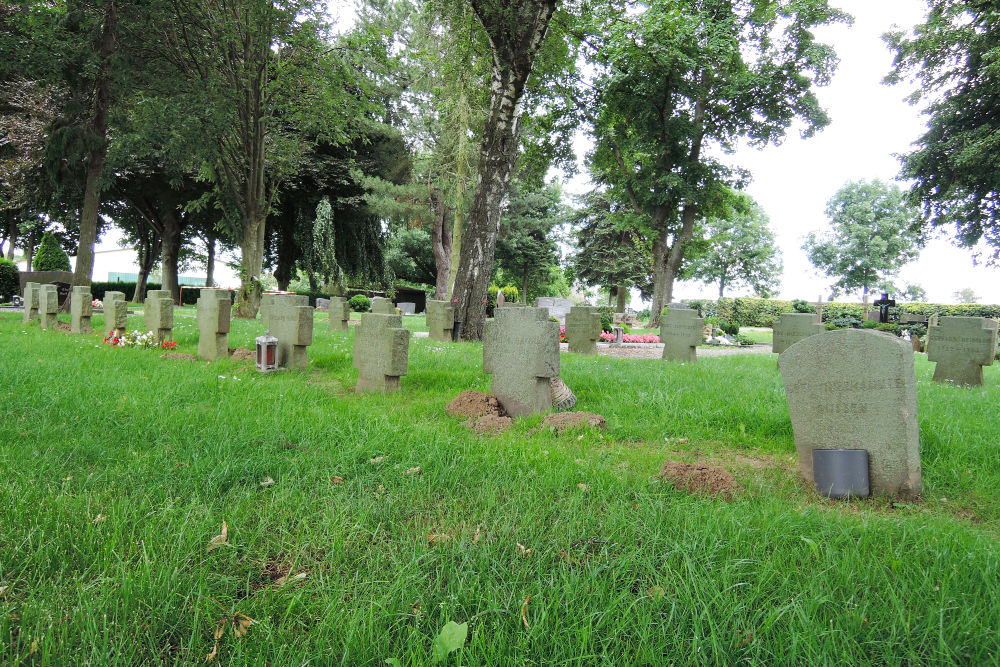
(501, 299)
(266, 300)
(115, 312)
(215, 309)
(681, 333)
(48, 305)
(793, 327)
(81, 308)
(158, 314)
(383, 306)
(440, 319)
(31, 291)
(856, 389)
(583, 329)
(291, 322)
(340, 313)
(961, 346)
(322, 304)
(407, 308)
(381, 349)
(557, 308)
(521, 351)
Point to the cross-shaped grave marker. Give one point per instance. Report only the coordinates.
(883, 307)
(290, 320)
(48, 305)
(215, 309)
(680, 333)
(961, 346)
(793, 327)
(340, 313)
(440, 320)
(381, 349)
(383, 306)
(115, 312)
(81, 308)
(521, 351)
(31, 291)
(583, 329)
(158, 314)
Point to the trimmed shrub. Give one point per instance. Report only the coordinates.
(9, 280)
(803, 306)
(50, 256)
(729, 329)
(360, 303)
(606, 324)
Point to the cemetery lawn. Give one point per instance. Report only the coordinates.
(358, 526)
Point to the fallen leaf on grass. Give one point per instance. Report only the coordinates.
(215, 651)
(451, 639)
(267, 482)
(475, 538)
(412, 471)
(241, 623)
(3, 590)
(100, 518)
(682, 441)
(336, 479)
(655, 592)
(34, 647)
(583, 487)
(569, 559)
(377, 459)
(289, 579)
(523, 551)
(219, 540)
(435, 538)
(524, 613)
(220, 627)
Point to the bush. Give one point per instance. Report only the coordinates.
(844, 323)
(9, 280)
(889, 327)
(729, 329)
(803, 306)
(606, 323)
(868, 324)
(50, 256)
(743, 339)
(360, 303)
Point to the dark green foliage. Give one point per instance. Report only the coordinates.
(9, 285)
(869, 324)
(360, 303)
(728, 328)
(844, 323)
(743, 339)
(605, 323)
(510, 294)
(803, 306)
(611, 251)
(50, 256)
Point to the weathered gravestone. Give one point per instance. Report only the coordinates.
(407, 308)
(215, 309)
(31, 291)
(383, 306)
(48, 305)
(856, 389)
(557, 308)
(115, 313)
(158, 314)
(267, 300)
(680, 333)
(381, 348)
(440, 319)
(583, 329)
(793, 327)
(961, 346)
(291, 322)
(340, 313)
(521, 351)
(81, 308)
(322, 304)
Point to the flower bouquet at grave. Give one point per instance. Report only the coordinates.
(134, 338)
(562, 335)
(609, 337)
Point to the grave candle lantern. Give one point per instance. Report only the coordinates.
(267, 352)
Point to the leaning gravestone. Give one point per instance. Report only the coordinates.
(31, 291)
(48, 305)
(158, 314)
(856, 389)
(115, 313)
(440, 319)
(521, 351)
(381, 348)
(340, 313)
(291, 322)
(215, 309)
(961, 346)
(81, 308)
(793, 327)
(383, 306)
(583, 329)
(681, 333)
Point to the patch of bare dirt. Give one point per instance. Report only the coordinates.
(64, 327)
(241, 354)
(566, 420)
(474, 404)
(700, 478)
(490, 424)
(179, 356)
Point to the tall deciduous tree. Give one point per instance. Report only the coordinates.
(875, 232)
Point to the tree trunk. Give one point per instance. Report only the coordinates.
(659, 268)
(441, 236)
(676, 254)
(524, 287)
(170, 247)
(83, 273)
(12, 239)
(313, 285)
(622, 292)
(251, 263)
(722, 286)
(149, 250)
(210, 259)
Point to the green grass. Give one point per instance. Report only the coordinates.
(626, 571)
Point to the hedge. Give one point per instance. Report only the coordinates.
(10, 283)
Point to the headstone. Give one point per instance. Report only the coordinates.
(961, 346)
(501, 299)
(322, 304)
(340, 313)
(381, 348)
(31, 291)
(215, 307)
(48, 305)
(115, 312)
(793, 327)
(158, 314)
(383, 306)
(558, 308)
(619, 333)
(440, 319)
(291, 322)
(407, 307)
(81, 308)
(856, 389)
(873, 316)
(912, 318)
(266, 300)
(625, 319)
(681, 333)
(521, 351)
(583, 329)
(63, 290)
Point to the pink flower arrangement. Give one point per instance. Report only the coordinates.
(609, 337)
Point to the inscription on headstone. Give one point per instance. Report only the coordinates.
(214, 310)
(291, 322)
(340, 313)
(856, 389)
(440, 319)
(48, 305)
(583, 329)
(115, 312)
(81, 308)
(31, 291)
(681, 333)
(793, 327)
(961, 346)
(381, 348)
(383, 306)
(521, 351)
(158, 314)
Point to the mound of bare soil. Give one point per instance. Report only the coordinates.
(567, 420)
(179, 356)
(242, 354)
(490, 424)
(700, 478)
(474, 404)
